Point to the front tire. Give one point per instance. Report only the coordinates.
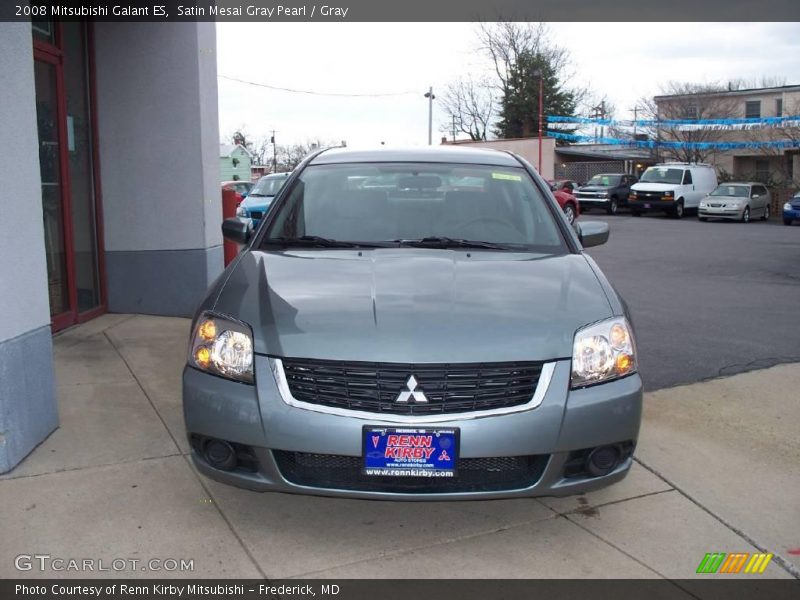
(569, 212)
(787, 221)
(746, 215)
(636, 213)
(704, 219)
(765, 217)
(677, 212)
(612, 206)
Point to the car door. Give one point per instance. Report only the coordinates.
(758, 200)
(691, 197)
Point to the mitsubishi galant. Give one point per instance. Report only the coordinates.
(413, 324)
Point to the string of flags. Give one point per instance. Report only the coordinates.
(787, 121)
(775, 144)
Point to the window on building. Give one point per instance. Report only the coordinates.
(762, 169)
(691, 112)
(752, 109)
(779, 107)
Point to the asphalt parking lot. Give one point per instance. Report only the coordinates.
(707, 299)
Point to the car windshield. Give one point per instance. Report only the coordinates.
(739, 191)
(605, 180)
(416, 204)
(661, 175)
(268, 186)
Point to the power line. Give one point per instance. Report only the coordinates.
(312, 92)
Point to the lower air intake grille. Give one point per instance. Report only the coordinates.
(332, 471)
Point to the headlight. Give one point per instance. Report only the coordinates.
(241, 211)
(602, 352)
(603, 194)
(668, 194)
(633, 195)
(222, 347)
(787, 206)
(732, 204)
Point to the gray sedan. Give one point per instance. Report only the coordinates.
(740, 201)
(413, 341)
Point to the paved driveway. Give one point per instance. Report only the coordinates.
(708, 299)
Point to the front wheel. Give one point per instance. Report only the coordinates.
(636, 213)
(569, 212)
(766, 213)
(612, 206)
(787, 221)
(746, 215)
(704, 219)
(677, 212)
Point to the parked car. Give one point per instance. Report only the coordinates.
(565, 185)
(791, 210)
(673, 188)
(413, 342)
(240, 187)
(569, 204)
(606, 190)
(261, 196)
(735, 200)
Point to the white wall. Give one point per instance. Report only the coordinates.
(158, 135)
(24, 303)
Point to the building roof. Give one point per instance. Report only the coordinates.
(440, 154)
(746, 92)
(605, 151)
(225, 150)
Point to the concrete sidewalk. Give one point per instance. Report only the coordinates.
(718, 471)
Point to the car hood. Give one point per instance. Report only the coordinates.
(724, 199)
(413, 305)
(654, 187)
(595, 188)
(257, 202)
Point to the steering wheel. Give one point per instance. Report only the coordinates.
(483, 220)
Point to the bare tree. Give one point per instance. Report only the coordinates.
(291, 155)
(687, 102)
(523, 55)
(469, 106)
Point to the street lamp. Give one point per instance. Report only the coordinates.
(538, 73)
(429, 95)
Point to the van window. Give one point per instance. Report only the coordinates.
(687, 177)
(661, 175)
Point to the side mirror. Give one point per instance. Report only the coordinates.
(237, 229)
(592, 233)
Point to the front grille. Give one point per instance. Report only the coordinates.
(375, 387)
(649, 195)
(332, 471)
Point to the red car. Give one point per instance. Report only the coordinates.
(563, 191)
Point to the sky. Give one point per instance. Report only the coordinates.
(623, 61)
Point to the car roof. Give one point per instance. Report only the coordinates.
(433, 154)
(739, 183)
(275, 175)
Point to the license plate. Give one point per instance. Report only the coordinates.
(647, 205)
(410, 452)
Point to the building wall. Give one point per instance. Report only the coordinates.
(28, 410)
(241, 172)
(527, 148)
(159, 147)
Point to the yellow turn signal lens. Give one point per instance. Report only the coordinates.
(623, 363)
(207, 330)
(202, 356)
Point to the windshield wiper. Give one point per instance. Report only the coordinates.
(315, 241)
(446, 242)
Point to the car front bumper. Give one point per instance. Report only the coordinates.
(652, 205)
(258, 418)
(719, 212)
(793, 214)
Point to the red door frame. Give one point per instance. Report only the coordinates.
(53, 55)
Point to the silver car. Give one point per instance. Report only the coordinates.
(740, 201)
(413, 341)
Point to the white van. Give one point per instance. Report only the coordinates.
(673, 187)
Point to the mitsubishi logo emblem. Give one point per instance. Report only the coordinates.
(411, 392)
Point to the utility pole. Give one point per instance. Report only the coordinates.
(538, 73)
(274, 153)
(429, 95)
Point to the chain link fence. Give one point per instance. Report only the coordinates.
(583, 171)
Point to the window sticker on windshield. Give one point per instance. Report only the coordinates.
(506, 176)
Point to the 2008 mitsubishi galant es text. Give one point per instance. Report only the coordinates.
(418, 324)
